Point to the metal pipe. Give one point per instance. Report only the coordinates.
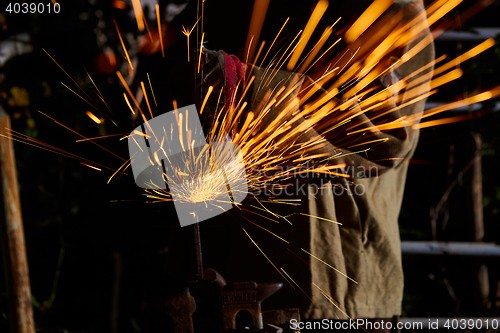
(476, 34)
(450, 248)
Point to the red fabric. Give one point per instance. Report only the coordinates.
(235, 73)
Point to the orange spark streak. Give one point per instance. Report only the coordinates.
(125, 85)
(90, 166)
(187, 33)
(466, 101)
(248, 85)
(102, 137)
(68, 128)
(201, 51)
(128, 103)
(74, 92)
(315, 50)
(123, 45)
(321, 56)
(159, 30)
(267, 257)
(149, 31)
(321, 218)
(311, 157)
(100, 95)
(327, 264)
(416, 49)
(137, 144)
(281, 61)
(270, 47)
(443, 79)
(210, 89)
(139, 14)
(316, 16)
(179, 122)
(368, 142)
(266, 217)
(13, 135)
(147, 100)
(442, 10)
(267, 211)
(372, 13)
(333, 302)
(466, 56)
(297, 285)
(93, 105)
(151, 86)
(259, 51)
(124, 164)
(216, 124)
(93, 117)
(444, 121)
(247, 122)
(257, 21)
(248, 51)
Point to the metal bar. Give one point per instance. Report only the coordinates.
(12, 239)
(477, 34)
(199, 256)
(450, 248)
(467, 108)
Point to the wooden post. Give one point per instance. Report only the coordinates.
(477, 207)
(477, 189)
(12, 238)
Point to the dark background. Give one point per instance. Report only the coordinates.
(79, 242)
